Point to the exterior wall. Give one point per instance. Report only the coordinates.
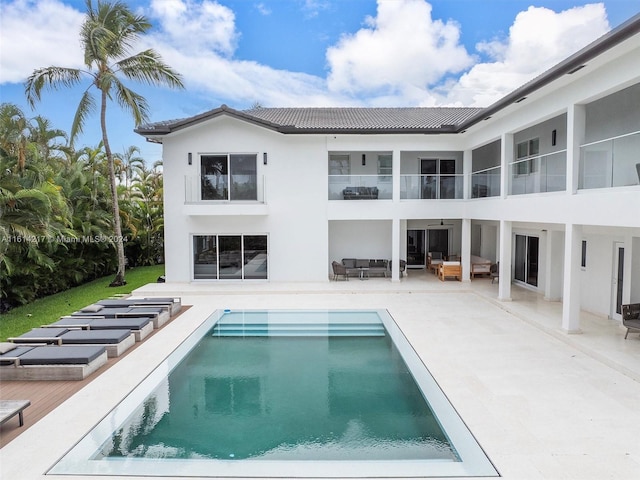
(306, 230)
(296, 222)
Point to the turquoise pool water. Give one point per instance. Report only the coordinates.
(285, 390)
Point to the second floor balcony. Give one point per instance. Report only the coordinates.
(539, 173)
(360, 187)
(613, 162)
(224, 189)
(431, 187)
(486, 183)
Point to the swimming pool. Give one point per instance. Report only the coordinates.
(285, 394)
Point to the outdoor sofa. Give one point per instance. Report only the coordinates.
(360, 193)
(116, 342)
(50, 362)
(449, 269)
(480, 266)
(355, 266)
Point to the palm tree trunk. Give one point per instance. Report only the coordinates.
(117, 229)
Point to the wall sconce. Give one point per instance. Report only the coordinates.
(554, 137)
(190, 158)
(364, 159)
(264, 158)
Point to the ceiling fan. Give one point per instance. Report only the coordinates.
(441, 224)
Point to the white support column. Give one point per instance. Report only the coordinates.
(504, 285)
(553, 266)
(467, 168)
(576, 125)
(506, 157)
(395, 250)
(465, 254)
(571, 284)
(395, 169)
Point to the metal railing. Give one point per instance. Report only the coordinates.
(540, 173)
(224, 189)
(360, 187)
(613, 162)
(486, 183)
(430, 187)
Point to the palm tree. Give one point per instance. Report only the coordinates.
(107, 35)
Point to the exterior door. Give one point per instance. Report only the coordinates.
(618, 281)
(415, 249)
(439, 241)
(526, 260)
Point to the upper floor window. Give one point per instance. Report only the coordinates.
(525, 150)
(339, 167)
(385, 167)
(229, 176)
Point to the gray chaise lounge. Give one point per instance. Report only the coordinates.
(159, 315)
(115, 341)
(48, 362)
(139, 326)
(173, 304)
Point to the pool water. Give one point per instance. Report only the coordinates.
(284, 387)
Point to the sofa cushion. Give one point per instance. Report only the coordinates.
(349, 262)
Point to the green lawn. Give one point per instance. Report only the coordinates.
(49, 309)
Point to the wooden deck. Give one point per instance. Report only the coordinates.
(46, 396)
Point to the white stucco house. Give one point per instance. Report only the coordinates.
(545, 181)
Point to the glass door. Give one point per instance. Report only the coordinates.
(618, 281)
(526, 260)
(439, 241)
(415, 249)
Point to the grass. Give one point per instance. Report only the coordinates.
(49, 309)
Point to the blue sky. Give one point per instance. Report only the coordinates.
(281, 53)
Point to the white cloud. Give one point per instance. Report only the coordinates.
(263, 9)
(401, 51)
(538, 39)
(36, 34)
(402, 56)
(197, 26)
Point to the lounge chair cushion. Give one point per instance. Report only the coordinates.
(95, 336)
(132, 323)
(42, 332)
(61, 355)
(16, 352)
(92, 308)
(6, 347)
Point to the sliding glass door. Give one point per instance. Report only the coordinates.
(526, 260)
(229, 257)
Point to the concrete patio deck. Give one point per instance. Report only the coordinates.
(542, 403)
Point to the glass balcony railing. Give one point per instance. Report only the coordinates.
(613, 162)
(224, 188)
(542, 173)
(431, 187)
(360, 187)
(486, 183)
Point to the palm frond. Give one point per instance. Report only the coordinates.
(52, 78)
(86, 107)
(147, 67)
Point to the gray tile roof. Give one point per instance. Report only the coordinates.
(376, 119)
(332, 120)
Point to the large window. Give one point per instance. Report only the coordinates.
(229, 257)
(524, 151)
(229, 177)
(385, 167)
